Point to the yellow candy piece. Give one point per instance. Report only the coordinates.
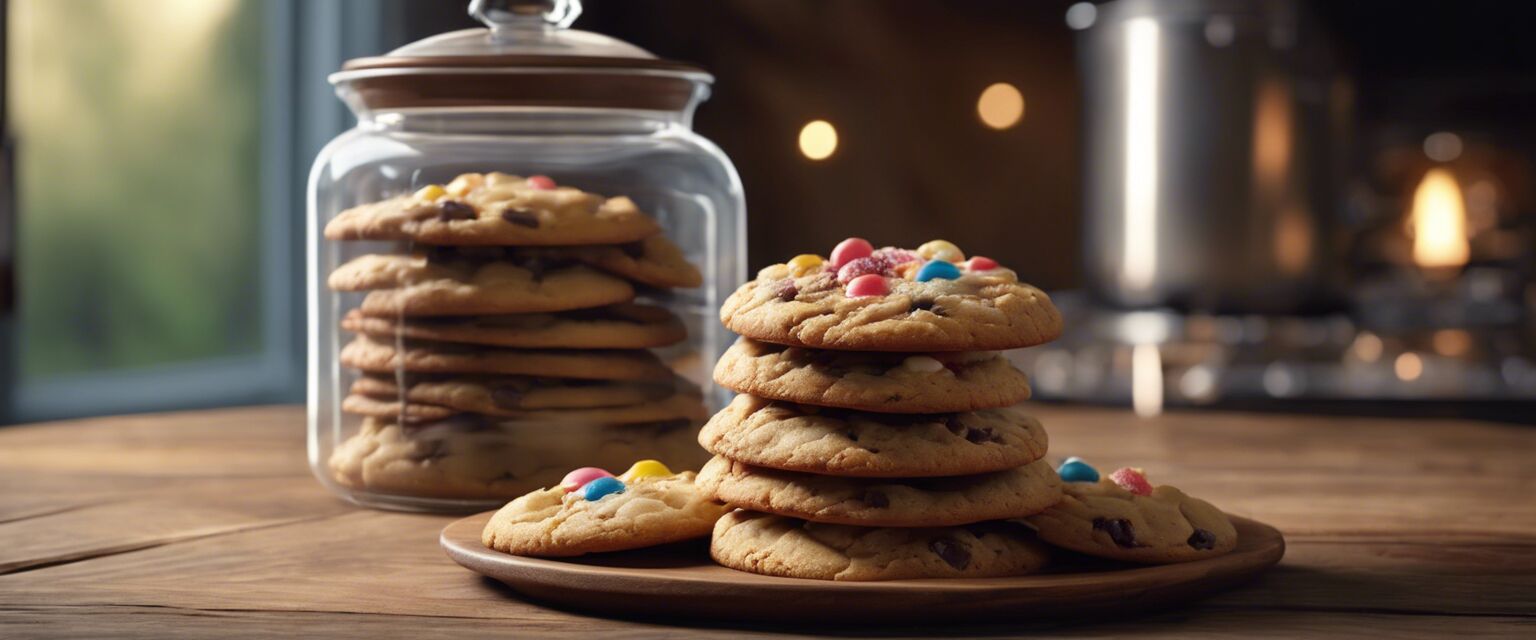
(941, 250)
(804, 263)
(907, 270)
(462, 184)
(645, 469)
(430, 192)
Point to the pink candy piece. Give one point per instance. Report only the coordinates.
(894, 256)
(543, 183)
(849, 250)
(580, 477)
(869, 284)
(980, 263)
(1132, 480)
(861, 266)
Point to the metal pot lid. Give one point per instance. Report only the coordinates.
(525, 56)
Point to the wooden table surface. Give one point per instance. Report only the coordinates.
(209, 524)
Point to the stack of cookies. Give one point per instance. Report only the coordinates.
(497, 341)
(876, 434)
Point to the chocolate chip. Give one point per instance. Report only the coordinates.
(786, 290)
(1202, 539)
(851, 435)
(926, 305)
(978, 436)
(955, 426)
(482, 254)
(538, 266)
(455, 210)
(435, 451)
(633, 249)
(952, 552)
(876, 499)
(1119, 530)
(520, 217)
(507, 397)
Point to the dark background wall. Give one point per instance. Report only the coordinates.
(900, 82)
(900, 79)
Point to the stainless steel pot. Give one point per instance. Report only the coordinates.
(1212, 135)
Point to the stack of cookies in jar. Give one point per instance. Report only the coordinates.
(496, 340)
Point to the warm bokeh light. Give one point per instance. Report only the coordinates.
(1452, 342)
(1438, 222)
(1146, 380)
(1367, 347)
(1001, 106)
(1408, 367)
(818, 140)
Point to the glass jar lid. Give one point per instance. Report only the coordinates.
(526, 55)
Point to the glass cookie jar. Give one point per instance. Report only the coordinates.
(515, 262)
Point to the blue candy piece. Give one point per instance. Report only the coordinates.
(1075, 470)
(940, 269)
(596, 489)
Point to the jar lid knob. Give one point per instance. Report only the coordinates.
(503, 16)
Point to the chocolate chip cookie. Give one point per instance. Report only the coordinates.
(784, 435)
(621, 326)
(496, 209)
(884, 502)
(430, 400)
(524, 393)
(903, 300)
(780, 546)
(869, 381)
(376, 356)
(645, 512)
(475, 458)
(1163, 526)
(417, 285)
(654, 261)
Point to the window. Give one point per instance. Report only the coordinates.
(160, 150)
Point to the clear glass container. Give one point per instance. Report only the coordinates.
(493, 367)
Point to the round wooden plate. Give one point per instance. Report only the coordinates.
(681, 580)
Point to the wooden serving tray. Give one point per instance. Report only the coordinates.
(681, 580)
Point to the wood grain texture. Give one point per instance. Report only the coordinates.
(208, 523)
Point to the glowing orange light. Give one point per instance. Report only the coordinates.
(1438, 222)
(1001, 106)
(818, 139)
(1408, 367)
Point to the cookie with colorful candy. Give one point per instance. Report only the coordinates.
(1124, 517)
(876, 436)
(593, 511)
(859, 298)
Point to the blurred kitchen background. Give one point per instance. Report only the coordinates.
(1299, 206)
